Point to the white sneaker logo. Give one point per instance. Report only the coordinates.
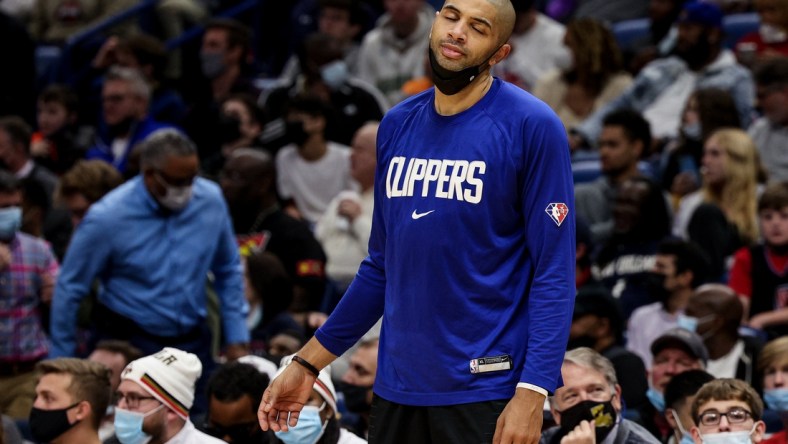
(416, 215)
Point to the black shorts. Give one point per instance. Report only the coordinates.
(474, 423)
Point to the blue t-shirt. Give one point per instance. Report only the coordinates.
(471, 254)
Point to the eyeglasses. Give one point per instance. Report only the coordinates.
(736, 415)
(132, 399)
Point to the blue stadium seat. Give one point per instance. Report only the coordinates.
(630, 31)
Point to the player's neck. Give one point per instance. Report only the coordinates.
(469, 96)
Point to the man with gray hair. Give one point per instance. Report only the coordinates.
(151, 243)
(587, 408)
(125, 98)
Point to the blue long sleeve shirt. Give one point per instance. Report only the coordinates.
(152, 265)
(471, 253)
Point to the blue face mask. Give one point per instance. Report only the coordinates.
(334, 74)
(776, 399)
(691, 323)
(728, 437)
(128, 426)
(308, 430)
(10, 221)
(656, 398)
(686, 437)
(692, 131)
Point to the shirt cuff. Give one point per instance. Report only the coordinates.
(535, 388)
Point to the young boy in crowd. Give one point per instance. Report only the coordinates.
(727, 410)
(58, 143)
(760, 273)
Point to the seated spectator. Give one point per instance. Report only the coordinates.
(773, 367)
(285, 342)
(248, 183)
(595, 76)
(770, 132)
(84, 184)
(349, 102)
(345, 226)
(155, 395)
(624, 140)
(662, 88)
(640, 222)
(679, 395)
(714, 312)
(311, 170)
(59, 142)
(675, 352)
(598, 323)
(536, 47)
(707, 110)
(71, 398)
(679, 268)
(758, 272)
(125, 98)
(240, 126)
(234, 391)
(115, 356)
(727, 410)
(722, 216)
(401, 34)
(771, 39)
(587, 408)
(661, 37)
(357, 383)
(319, 420)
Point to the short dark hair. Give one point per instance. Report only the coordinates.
(61, 94)
(523, 5)
(238, 35)
(688, 257)
(9, 183)
(308, 104)
(129, 352)
(684, 385)
(148, 50)
(773, 72)
(18, 131)
(351, 6)
(250, 103)
(774, 197)
(634, 125)
(234, 380)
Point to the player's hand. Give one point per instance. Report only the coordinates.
(584, 433)
(284, 398)
(521, 420)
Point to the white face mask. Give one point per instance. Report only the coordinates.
(742, 437)
(175, 198)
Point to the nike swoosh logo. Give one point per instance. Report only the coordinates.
(416, 215)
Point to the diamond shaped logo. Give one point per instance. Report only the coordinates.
(557, 212)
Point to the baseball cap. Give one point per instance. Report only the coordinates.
(702, 13)
(689, 341)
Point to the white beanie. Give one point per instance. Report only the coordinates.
(323, 384)
(169, 375)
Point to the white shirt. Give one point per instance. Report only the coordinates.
(190, 435)
(345, 243)
(313, 184)
(664, 114)
(646, 324)
(725, 366)
(346, 437)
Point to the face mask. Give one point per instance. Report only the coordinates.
(212, 64)
(46, 425)
(10, 221)
(334, 74)
(686, 438)
(728, 437)
(308, 430)
(692, 131)
(602, 413)
(128, 426)
(175, 198)
(356, 397)
(656, 399)
(451, 82)
(691, 323)
(295, 132)
(776, 399)
(239, 433)
(122, 128)
(228, 129)
(655, 285)
(772, 34)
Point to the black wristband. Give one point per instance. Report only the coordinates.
(304, 363)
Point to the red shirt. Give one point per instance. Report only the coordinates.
(777, 438)
(740, 278)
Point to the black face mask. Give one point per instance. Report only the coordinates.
(356, 397)
(655, 285)
(295, 132)
(451, 82)
(228, 128)
(121, 128)
(239, 433)
(602, 413)
(46, 425)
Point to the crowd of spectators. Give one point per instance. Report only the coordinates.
(176, 220)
